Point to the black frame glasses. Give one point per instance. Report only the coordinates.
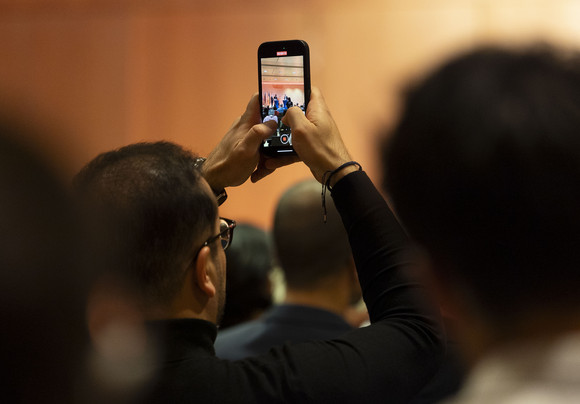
(226, 233)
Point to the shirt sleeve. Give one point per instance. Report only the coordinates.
(388, 361)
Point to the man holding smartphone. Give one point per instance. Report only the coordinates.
(176, 241)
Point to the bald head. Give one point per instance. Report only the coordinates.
(308, 249)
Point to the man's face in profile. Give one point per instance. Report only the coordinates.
(218, 258)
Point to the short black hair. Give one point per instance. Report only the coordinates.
(152, 192)
(484, 171)
(308, 249)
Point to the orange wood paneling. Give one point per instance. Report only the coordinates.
(107, 73)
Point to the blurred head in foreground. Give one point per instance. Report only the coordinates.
(44, 279)
(484, 171)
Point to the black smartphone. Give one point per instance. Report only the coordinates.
(284, 82)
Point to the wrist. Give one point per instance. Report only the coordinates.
(342, 173)
(217, 189)
(332, 177)
(206, 170)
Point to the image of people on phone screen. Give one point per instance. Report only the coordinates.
(282, 88)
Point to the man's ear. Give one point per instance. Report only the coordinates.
(203, 266)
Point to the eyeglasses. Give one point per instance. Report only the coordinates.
(226, 233)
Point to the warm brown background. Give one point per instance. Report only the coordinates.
(104, 73)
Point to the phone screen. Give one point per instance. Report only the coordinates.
(284, 83)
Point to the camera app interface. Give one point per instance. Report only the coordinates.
(282, 88)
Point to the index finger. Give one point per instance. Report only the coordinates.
(258, 133)
(317, 105)
(252, 112)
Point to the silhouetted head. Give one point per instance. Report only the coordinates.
(484, 170)
(44, 281)
(308, 249)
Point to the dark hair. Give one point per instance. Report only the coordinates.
(484, 170)
(44, 277)
(153, 193)
(308, 249)
(249, 263)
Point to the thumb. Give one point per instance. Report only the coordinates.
(260, 132)
(268, 165)
(294, 118)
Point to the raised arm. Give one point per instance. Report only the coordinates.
(393, 358)
(237, 155)
(390, 360)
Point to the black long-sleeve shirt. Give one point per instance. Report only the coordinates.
(388, 361)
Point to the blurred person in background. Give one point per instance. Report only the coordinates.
(319, 273)
(249, 265)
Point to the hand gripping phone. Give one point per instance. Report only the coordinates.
(284, 82)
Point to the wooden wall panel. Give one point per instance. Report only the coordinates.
(69, 70)
(108, 73)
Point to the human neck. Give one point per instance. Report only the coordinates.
(325, 299)
(182, 308)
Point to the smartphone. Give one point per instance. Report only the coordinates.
(284, 82)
